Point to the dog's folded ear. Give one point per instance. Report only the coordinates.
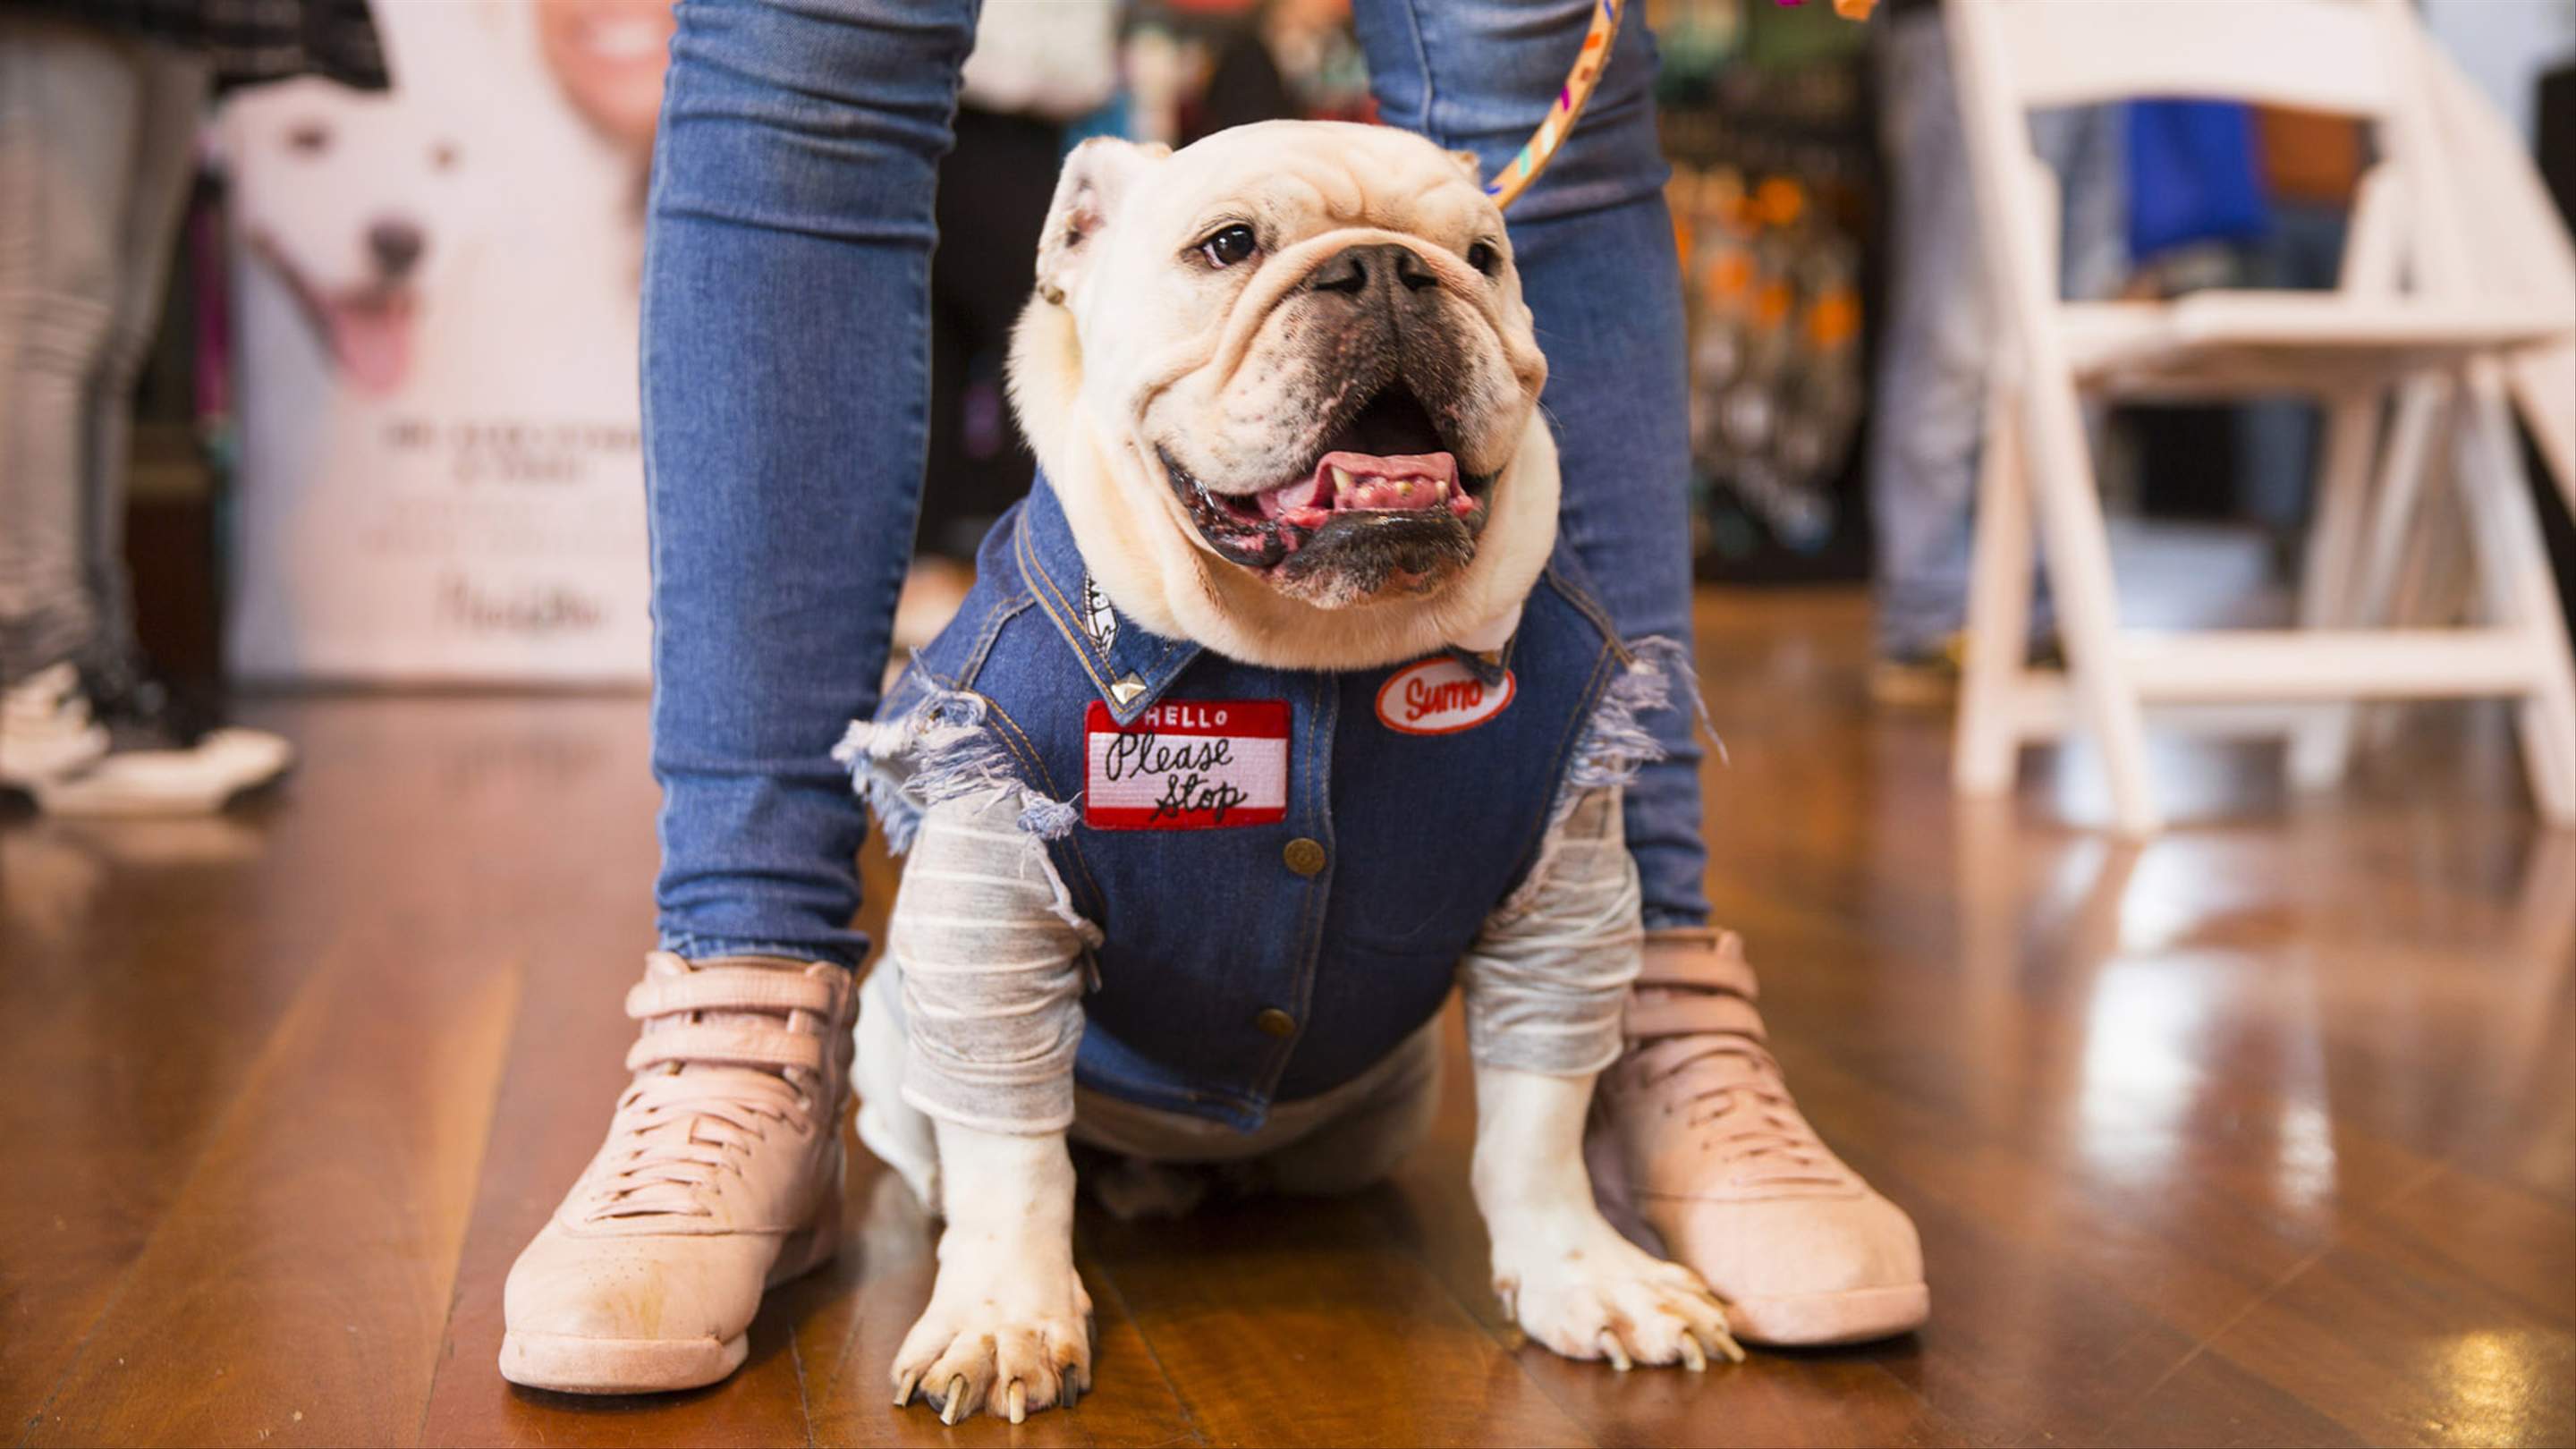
(1087, 194)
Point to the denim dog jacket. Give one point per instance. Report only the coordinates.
(1284, 867)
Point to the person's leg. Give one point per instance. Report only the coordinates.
(1929, 418)
(785, 376)
(1594, 245)
(172, 100)
(71, 101)
(96, 153)
(2086, 148)
(1695, 1116)
(786, 395)
(2277, 438)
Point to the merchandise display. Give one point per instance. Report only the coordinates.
(1775, 208)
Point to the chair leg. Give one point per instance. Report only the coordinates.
(2513, 568)
(2078, 559)
(2322, 749)
(2543, 379)
(2317, 751)
(1999, 597)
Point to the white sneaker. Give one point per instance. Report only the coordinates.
(46, 729)
(134, 753)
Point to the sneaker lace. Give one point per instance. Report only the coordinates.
(1701, 1051)
(728, 1054)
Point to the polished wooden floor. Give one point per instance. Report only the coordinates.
(2264, 1133)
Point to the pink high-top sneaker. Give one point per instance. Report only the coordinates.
(721, 1175)
(1697, 1151)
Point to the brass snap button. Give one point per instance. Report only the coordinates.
(1274, 1022)
(1306, 857)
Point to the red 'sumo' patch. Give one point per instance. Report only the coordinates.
(1187, 764)
(1440, 697)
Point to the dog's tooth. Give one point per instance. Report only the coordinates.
(1404, 488)
(1341, 480)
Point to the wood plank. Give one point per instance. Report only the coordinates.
(297, 1288)
(1298, 1322)
(2513, 1243)
(132, 1008)
(179, 955)
(2395, 1345)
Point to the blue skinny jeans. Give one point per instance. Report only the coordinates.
(786, 392)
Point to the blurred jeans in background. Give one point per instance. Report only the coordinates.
(1939, 340)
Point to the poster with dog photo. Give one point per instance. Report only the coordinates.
(435, 316)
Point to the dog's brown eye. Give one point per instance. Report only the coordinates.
(311, 138)
(1483, 258)
(1229, 245)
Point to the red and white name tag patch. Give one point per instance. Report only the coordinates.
(1440, 697)
(1191, 764)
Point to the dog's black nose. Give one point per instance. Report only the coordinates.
(1388, 265)
(396, 246)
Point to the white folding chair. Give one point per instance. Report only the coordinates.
(2524, 252)
(2409, 321)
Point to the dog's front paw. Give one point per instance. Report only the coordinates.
(1588, 1293)
(1007, 1340)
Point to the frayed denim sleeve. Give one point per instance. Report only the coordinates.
(929, 746)
(1547, 979)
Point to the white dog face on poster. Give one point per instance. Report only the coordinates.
(359, 207)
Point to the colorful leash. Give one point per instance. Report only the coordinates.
(1532, 158)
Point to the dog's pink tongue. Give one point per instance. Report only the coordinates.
(373, 344)
(1303, 496)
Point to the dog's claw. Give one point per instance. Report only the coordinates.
(1017, 1400)
(954, 1408)
(903, 1389)
(1615, 1351)
(1693, 1358)
(1725, 1344)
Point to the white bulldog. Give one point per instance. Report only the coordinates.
(1286, 388)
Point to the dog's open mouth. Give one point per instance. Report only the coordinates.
(1387, 472)
(368, 329)
(371, 334)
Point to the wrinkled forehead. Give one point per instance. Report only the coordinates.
(1317, 175)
